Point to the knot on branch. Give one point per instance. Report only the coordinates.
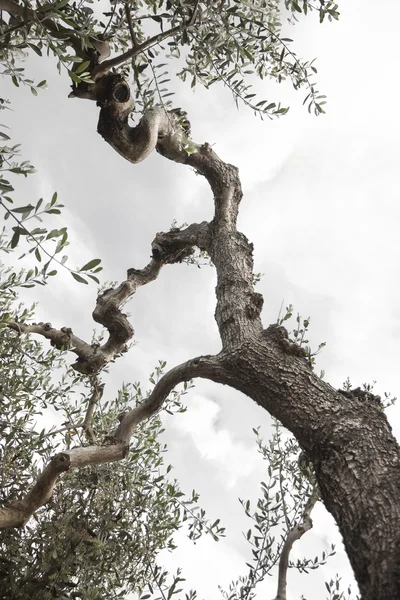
(61, 462)
(360, 394)
(86, 367)
(254, 308)
(280, 335)
(113, 95)
(170, 248)
(182, 120)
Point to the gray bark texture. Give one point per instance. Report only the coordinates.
(345, 435)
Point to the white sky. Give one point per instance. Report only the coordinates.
(322, 207)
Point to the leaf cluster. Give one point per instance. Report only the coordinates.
(100, 535)
(45, 245)
(233, 43)
(298, 335)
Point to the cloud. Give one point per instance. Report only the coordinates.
(217, 445)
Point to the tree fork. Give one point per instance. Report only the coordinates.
(349, 441)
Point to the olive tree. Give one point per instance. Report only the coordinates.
(100, 533)
(343, 433)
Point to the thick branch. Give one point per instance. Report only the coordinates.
(19, 512)
(239, 306)
(208, 367)
(348, 440)
(175, 245)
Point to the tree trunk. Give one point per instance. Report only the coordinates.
(350, 443)
(345, 435)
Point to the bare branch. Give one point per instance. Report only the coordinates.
(293, 535)
(175, 245)
(239, 306)
(63, 338)
(91, 357)
(93, 400)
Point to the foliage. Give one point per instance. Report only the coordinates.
(333, 587)
(101, 533)
(233, 43)
(298, 335)
(282, 501)
(45, 245)
(283, 498)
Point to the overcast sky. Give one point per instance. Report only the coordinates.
(321, 204)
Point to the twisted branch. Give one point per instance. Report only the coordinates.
(19, 512)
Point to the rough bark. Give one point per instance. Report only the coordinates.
(345, 435)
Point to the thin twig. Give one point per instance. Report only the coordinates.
(94, 399)
(130, 25)
(106, 65)
(194, 14)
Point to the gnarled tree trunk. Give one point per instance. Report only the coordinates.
(345, 435)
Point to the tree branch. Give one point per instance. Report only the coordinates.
(209, 367)
(130, 25)
(19, 512)
(38, 17)
(104, 68)
(93, 400)
(91, 357)
(293, 535)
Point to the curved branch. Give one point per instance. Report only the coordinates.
(18, 514)
(209, 367)
(20, 511)
(350, 444)
(93, 358)
(293, 535)
(136, 143)
(167, 248)
(239, 306)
